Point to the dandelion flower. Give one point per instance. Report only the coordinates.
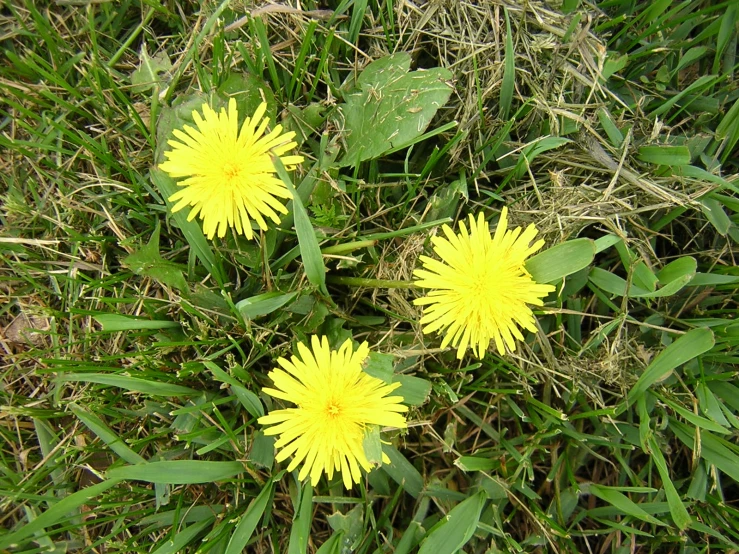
(336, 403)
(481, 287)
(230, 176)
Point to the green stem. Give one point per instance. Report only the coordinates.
(372, 283)
(348, 247)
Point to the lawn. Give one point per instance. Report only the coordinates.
(460, 387)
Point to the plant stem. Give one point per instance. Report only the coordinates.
(372, 283)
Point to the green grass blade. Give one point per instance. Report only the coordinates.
(677, 508)
(456, 529)
(248, 399)
(190, 229)
(509, 72)
(250, 519)
(58, 512)
(619, 500)
(690, 345)
(177, 472)
(310, 251)
(402, 471)
(133, 384)
(116, 444)
(183, 537)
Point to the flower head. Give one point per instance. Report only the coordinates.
(481, 287)
(335, 403)
(230, 176)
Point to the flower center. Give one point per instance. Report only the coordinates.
(333, 409)
(231, 171)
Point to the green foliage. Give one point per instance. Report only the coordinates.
(390, 107)
(135, 351)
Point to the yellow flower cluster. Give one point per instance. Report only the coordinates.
(480, 291)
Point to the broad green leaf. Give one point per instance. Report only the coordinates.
(677, 508)
(678, 269)
(379, 366)
(300, 530)
(643, 277)
(350, 524)
(402, 471)
(665, 155)
(310, 251)
(561, 260)
(264, 304)
(613, 284)
(148, 262)
(134, 384)
(456, 528)
(613, 64)
(65, 507)
(117, 445)
(190, 229)
(475, 463)
(148, 74)
(249, 91)
(262, 451)
(112, 323)
(690, 345)
(372, 445)
(177, 472)
(414, 390)
(391, 107)
(622, 502)
(610, 283)
(250, 519)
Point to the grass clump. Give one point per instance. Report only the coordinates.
(135, 350)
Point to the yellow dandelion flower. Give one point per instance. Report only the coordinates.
(230, 176)
(336, 402)
(481, 287)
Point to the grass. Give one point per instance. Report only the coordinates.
(134, 350)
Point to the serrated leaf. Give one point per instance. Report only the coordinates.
(392, 107)
(414, 390)
(372, 445)
(149, 72)
(148, 262)
(249, 91)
